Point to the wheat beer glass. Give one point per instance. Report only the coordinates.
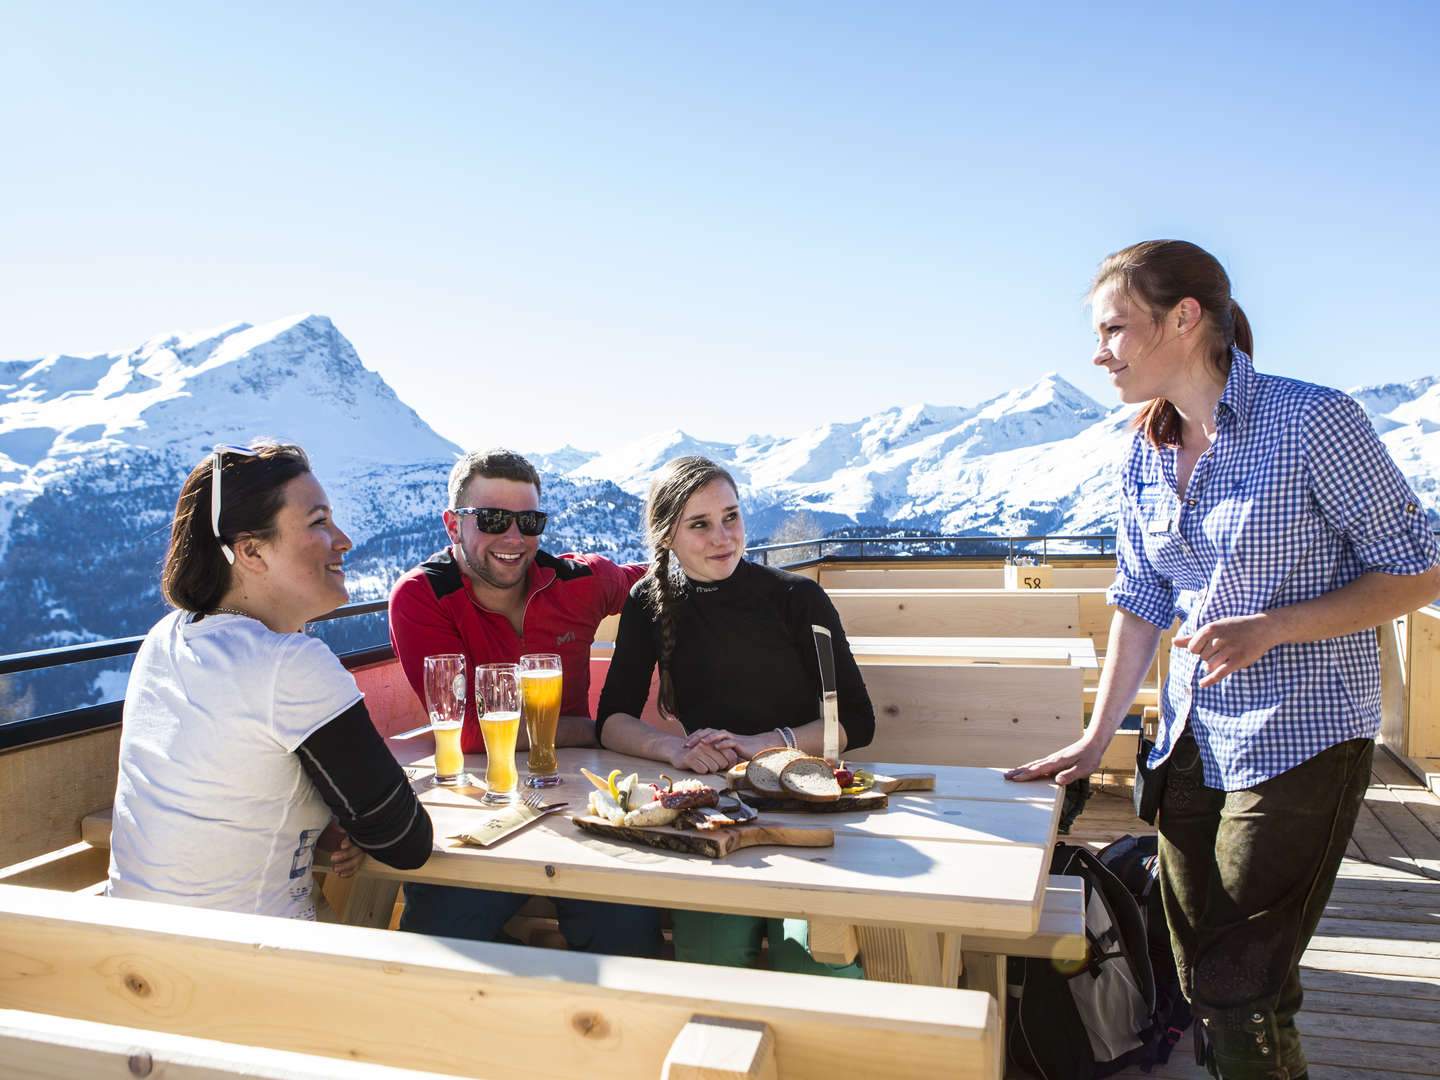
(540, 682)
(497, 699)
(445, 702)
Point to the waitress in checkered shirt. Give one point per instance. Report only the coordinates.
(1266, 515)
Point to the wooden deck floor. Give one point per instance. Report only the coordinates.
(1372, 972)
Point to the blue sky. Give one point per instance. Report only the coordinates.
(567, 222)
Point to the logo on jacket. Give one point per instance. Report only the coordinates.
(565, 638)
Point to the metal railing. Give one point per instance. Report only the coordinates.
(1096, 545)
(82, 718)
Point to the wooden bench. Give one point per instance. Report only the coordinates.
(404, 1001)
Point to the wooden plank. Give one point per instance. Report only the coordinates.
(952, 577)
(717, 1048)
(1393, 639)
(1360, 1003)
(76, 866)
(1418, 968)
(985, 973)
(37, 1046)
(1072, 651)
(971, 714)
(1383, 1058)
(46, 788)
(1423, 735)
(1418, 844)
(958, 612)
(448, 1005)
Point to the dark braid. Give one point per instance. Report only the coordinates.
(661, 591)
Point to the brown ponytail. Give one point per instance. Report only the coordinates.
(1161, 273)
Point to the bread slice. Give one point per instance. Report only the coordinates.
(811, 779)
(763, 772)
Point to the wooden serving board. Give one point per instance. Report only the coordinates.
(877, 798)
(711, 842)
(866, 800)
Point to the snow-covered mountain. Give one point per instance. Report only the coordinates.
(93, 451)
(1042, 459)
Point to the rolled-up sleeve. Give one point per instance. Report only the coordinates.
(1362, 494)
(1137, 587)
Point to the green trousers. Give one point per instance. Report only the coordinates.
(704, 937)
(1245, 876)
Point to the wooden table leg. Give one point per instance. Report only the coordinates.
(371, 902)
(832, 941)
(986, 971)
(922, 951)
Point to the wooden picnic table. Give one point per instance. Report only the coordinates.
(1067, 651)
(969, 858)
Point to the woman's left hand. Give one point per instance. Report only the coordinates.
(345, 857)
(1227, 645)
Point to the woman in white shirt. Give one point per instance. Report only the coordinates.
(242, 737)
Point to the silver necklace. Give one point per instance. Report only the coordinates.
(233, 611)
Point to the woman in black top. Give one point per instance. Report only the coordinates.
(733, 639)
(738, 670)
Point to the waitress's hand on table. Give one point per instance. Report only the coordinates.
(706, 750)
(345, 857)
(1066, 765)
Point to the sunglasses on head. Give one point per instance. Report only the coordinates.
(493, 520)
(221, 449)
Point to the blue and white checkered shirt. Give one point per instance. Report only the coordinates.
(1296, 497)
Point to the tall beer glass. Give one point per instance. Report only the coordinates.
(540, 682)
(445, 702)
(497, 699)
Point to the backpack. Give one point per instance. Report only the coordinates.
(1093, 1019)
(1135, 861)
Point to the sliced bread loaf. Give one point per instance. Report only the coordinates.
(763, 772)
(811, 779)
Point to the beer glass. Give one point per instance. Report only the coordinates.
(497, 699)
(540, 682)
(445, 702)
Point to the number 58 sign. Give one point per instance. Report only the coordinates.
(1027, 577)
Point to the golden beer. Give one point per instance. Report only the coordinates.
(540, 691)
(449, 758)
(540, 709)
(500, 730)
(497, 699)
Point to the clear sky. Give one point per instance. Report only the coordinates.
(582, 222)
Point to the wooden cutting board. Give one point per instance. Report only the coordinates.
(877, 798)
(711, 842)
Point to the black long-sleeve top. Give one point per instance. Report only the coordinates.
(744, 656)
(361, 782)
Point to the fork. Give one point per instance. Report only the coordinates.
(535, 800)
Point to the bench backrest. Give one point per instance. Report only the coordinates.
(955, 577)
(416, 1002)
(958, 612)
(991, 715)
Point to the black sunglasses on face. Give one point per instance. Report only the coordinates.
(493, 520)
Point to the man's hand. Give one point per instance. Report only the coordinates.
(1227, 645)
(1071, 763)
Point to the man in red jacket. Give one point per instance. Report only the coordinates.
(494, 595)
